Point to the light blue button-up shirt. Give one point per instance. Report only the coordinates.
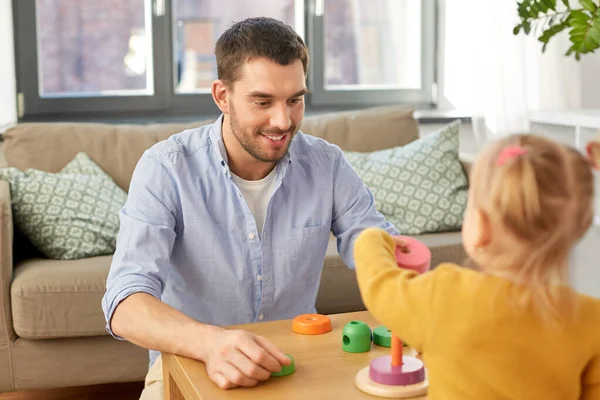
(188, 237)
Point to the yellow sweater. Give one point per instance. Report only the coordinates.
(475, 342)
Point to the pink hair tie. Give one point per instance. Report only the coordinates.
(509, 153)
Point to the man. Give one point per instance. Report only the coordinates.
(229, 223)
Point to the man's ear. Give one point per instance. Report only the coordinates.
(220, 95)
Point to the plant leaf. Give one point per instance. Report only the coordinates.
(579, 15)
(550, 32)
(584, 35)
(577, 23)
(588, 5)
(595, 34)
(516, 30)
(566, 3)
(523, 10)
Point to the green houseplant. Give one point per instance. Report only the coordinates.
(547, 18)
(581, 18)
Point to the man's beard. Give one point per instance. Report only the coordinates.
(254, 149)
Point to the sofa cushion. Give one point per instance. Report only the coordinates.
(68, 215)
(421, 187)
(40, 364)
(365, 130)
(116, 148)
(56, 299)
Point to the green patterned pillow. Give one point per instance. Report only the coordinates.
(420, 187)
(67, 215)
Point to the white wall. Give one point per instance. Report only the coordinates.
(8, 102)
(590, 80)
(585, 267)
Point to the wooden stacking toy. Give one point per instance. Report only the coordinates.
(356, 337)
(286, 369)
(398, 375)
(311, 324)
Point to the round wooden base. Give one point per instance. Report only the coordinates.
(365, 384)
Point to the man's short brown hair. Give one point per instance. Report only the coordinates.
(258, 37)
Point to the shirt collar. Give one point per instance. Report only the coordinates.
(216, 137)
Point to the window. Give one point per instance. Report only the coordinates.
(92, 48)
(155, 57)
(374, 52)
(197, 24)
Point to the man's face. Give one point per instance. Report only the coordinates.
(266, 107)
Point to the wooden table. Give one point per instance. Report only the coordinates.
(323, 369)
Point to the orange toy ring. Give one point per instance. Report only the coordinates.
(311, 324)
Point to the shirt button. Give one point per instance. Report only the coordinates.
(251, 236)
(261, 317)
(259, 278)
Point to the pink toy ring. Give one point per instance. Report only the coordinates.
(415, 255)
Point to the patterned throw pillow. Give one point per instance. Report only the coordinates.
(420, 187)
(68, 215)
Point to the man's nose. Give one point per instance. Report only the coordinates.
(281, 118)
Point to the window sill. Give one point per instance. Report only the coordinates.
(422, 115)
(441, 116)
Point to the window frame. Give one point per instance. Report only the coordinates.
(166, 102)
(26, 56)
(371, 97)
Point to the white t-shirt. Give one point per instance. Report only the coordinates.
(257, 194)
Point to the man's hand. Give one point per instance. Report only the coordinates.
(240, 358)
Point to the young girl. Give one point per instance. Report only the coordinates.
(513, 329)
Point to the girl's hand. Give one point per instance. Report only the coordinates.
(400, 243)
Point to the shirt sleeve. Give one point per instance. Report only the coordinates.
(354, 210)
(398, 298)
(146, 235)
(591, 380)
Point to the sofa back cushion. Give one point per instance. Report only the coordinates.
(365, 130)
(117, 148)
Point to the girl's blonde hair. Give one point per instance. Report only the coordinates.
(542, 192)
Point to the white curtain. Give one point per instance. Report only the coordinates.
(499, 77)
(8, 102)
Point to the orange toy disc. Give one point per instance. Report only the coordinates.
(311, 324)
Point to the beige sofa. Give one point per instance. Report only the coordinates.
(52, 330)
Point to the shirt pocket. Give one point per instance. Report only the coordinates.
(307, 251)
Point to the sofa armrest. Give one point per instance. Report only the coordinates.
(7, 333)
(467, 160)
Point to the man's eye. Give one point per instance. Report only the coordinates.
(262, 103)
(296, 100)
